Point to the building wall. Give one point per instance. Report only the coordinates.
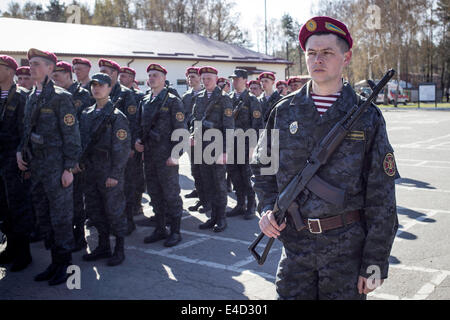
(176, 68)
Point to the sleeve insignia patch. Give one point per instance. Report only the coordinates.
(389, 165)
(121, 134)
(69, 119)
(180, 116)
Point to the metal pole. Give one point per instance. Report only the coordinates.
(265, 22)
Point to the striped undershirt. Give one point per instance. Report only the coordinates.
(38, 92)
(4, 94)
(323, 103)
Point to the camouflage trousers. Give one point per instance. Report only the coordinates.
(105, 206)
(215, 184)
(53, 203)
(134, 180)
(79, 212)
(163, 187)
(320, 266)
(240, 177)
(195, 170)
(16, 210)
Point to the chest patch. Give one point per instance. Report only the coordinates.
(293, 128)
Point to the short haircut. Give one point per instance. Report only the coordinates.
(341, 42)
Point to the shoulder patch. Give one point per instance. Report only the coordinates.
(69, 119)
(389, 165)
(131, 109)
(121, 134)
(180, 116)
(77, 103)
(256, 114)
(228, 112)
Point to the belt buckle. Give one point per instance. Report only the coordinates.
(318, 223)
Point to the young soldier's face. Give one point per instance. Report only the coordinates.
(39, 68)
(25, 81)
(239, 83)
(126, 79)
(5, 74)
(209, 81)
(324, 59)
(156, 79)
(81, 71)
(193, 80)
(110, 72)
(100, 91)
(60, 78)
(267, 84)
(255, 89)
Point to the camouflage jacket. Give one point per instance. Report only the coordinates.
(217, 111)
(247, 111)
(363, 165)
(188, 99)
(11, 126)
(128, 105)
(268, 104)
(168, 118)
(113, 144)
(81, 98)
(56, 123)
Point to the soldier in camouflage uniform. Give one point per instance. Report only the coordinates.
(127, 79)
(159, 115)
(270, 97)
(81, 100)
(342, 245)
(214, 109)
(16, 214)
(128, 106)
(105, 166)
(247, 115)
(188, 99)
(51, 126)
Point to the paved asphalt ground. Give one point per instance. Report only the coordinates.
(207, 265)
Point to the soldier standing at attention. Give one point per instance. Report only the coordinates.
(189, 97)
(62, 76)
(255, 88)
(247, 115)
(160, 113)
(81, 68)
(51, 132)
(214, 109)
(105, 167)
(270, 97)
(127, 79)
(15, 205)
(128, 106)
(24, 77)
(342, 244)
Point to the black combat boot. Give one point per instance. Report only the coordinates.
(251, 207)
(119, 255)
(204, 208)
(131, 226)
(239, 209)
(50, 271)
(102, 251)
(210, 222)
(193, 194)
(195, 206)
(7, 255)
(160, 231)
(175, 236)
(22, 254)
(221, 223)
(78, 235)
(62, 261)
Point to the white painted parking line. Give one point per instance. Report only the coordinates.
(408, 188)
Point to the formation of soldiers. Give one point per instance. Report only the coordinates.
(85, 151)
(89, 149)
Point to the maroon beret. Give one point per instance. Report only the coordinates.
(8, 61)
(128, 70)
(254, 82)
(23, 71)
(281, 82)
(109, 63)
(191, 70)
(156, 67)
(43, 54)
(324, 24)
(81, 61)
(295, 80)
(63, 67)
(208, 69)
(267, 75)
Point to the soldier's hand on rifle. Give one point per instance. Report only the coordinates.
(139, 146)
(20, 163)
(192, 141)
(269, 226)
(77, 169)
(171, 162)
(131, 155)
(110, 182)
(66, 178)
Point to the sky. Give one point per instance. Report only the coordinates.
(251, 13)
